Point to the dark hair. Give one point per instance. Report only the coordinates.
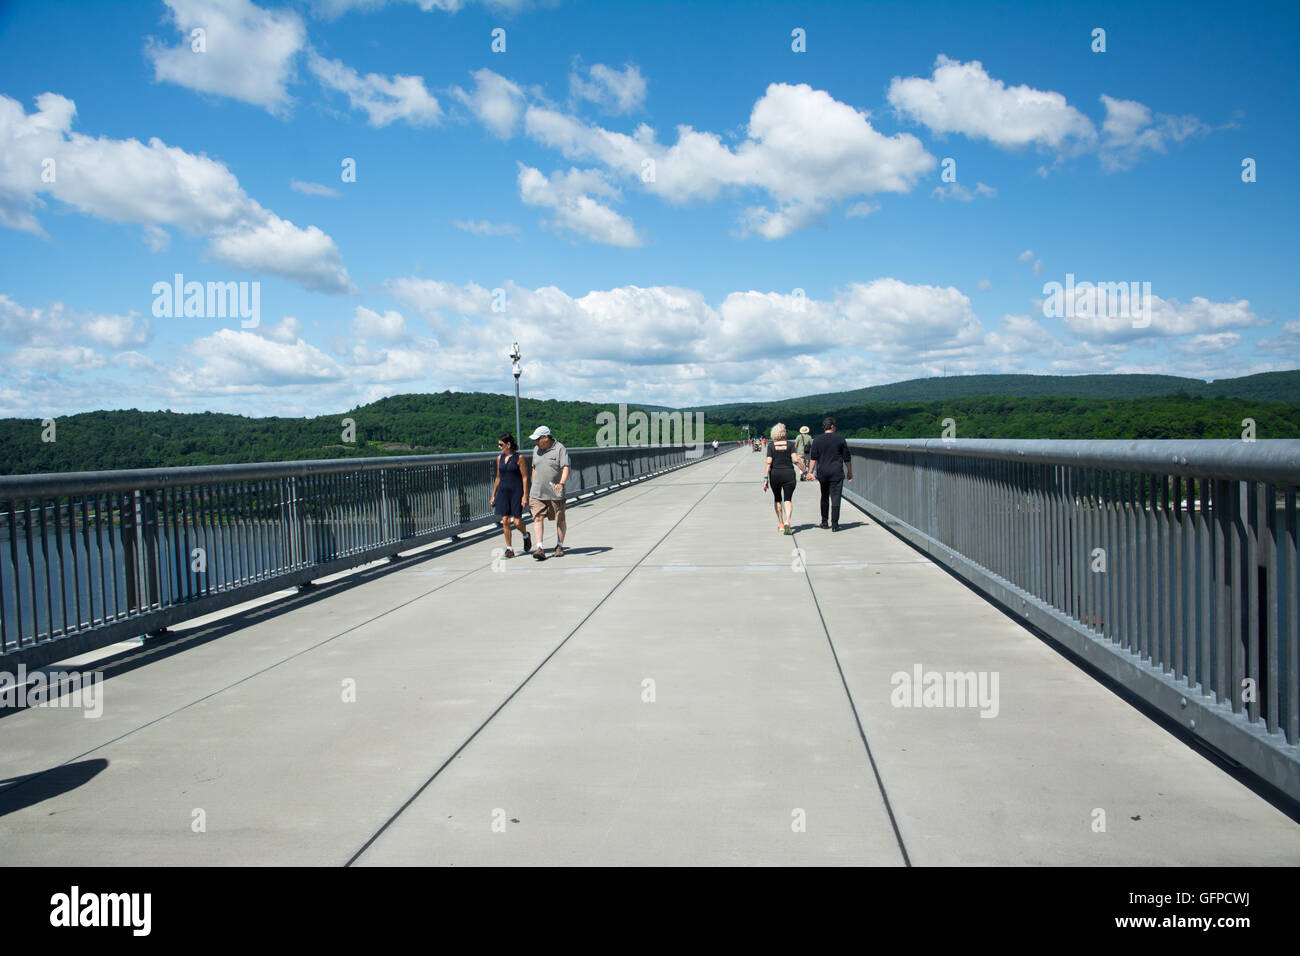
(509, 439)
(828, 423)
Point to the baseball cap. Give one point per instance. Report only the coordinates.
(542, 430)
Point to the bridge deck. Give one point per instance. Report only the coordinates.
(518, 697)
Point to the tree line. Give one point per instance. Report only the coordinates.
(471, 421)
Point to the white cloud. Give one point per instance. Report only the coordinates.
(389, 328)
(570, 195)
(57, 326)
(385, 100)
(234, 361)
(898, 321)
(20, 325)
(433, 297)
(496, 102)
(662, 325)
(616, 91)
(1130, 129)
(1026, 256)
(397, 365)
(777, 224)
(330, 9)
(249, 52)
(1019, 337)
(861, 209)
(1209, 344)
(159, 239)
(279, 247)
(662, 344)
(288, 330)
(1168, 317)
(486, 228)
(117, 332)
(803, 148)
(1286, 342)
(56, 357)
(960, 192)
(984, 285)
(311, 189)
(963, 98)
(773, 325)
(123, 180)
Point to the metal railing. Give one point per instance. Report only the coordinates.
(90, 558)
(1169, 565)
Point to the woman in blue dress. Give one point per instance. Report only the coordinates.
(509, 490)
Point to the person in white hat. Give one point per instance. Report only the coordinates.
(801, 448)
(547, 495)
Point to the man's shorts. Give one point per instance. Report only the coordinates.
(547, 508)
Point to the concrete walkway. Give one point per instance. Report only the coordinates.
(682, 688)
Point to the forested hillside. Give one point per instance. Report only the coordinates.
(1077, 418)
(459, 421)
(399, 425)
(1268, 386)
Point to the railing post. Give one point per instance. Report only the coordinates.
(127, 530)
(149, 547)
(298, 506)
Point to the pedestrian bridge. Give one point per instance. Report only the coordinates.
(684, 686)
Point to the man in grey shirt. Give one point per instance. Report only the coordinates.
(546, 496)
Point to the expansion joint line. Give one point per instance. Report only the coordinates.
(857, 718)
(524, 683)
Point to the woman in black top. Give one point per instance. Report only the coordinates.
(509, 490)
(782, 463)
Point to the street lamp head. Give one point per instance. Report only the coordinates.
(514, 353)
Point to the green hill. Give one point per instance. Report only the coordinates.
(1268, 386)
(471, 421)
(398, 425)
(1011, 417)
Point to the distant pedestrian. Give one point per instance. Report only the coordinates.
(715, 447)
(801, 448)
(509, 495)
(546, 496)
(779, 474)
(830, 459)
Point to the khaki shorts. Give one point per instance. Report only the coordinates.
(547, 508)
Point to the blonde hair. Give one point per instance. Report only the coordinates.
(778, 431)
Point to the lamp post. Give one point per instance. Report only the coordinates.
(514, 359)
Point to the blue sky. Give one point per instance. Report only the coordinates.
(659, 202)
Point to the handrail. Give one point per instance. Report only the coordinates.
(90, 558)
(1172, 567)
(1272, 459)
(63, 483)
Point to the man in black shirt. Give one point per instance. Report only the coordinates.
(830, 457)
